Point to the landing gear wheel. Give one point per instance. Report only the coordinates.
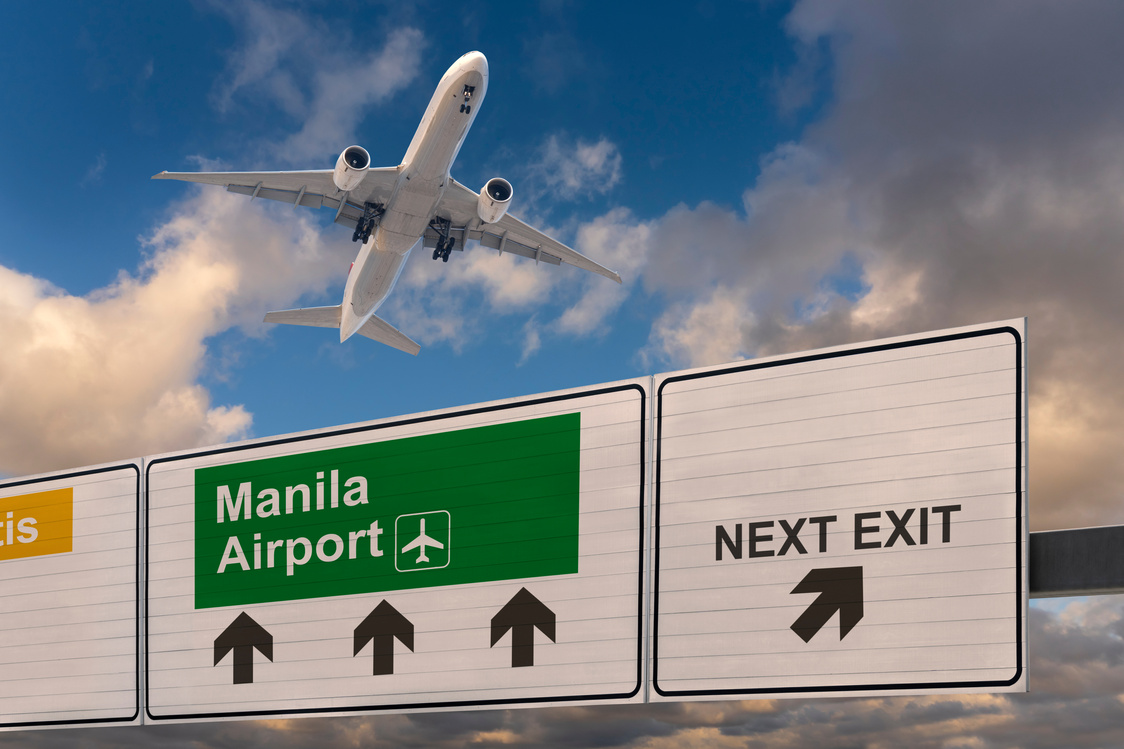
(443, 247)
(365, 224)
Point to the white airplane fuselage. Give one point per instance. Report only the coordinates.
(422, 178)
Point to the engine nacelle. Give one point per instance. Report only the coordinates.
(351, 167)
(494, 200)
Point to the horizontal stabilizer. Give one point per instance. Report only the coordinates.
(316, 317)
(375, 328)
(378, 329)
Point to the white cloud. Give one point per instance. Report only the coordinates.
(94, 173)
(343, 92)
(323, 77)
(271, 35)
(703, 332)
(567, 169)
(618, 241)
(532, 340)
(114, 374)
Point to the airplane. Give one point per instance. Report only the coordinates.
(421, 542)
(394, 209)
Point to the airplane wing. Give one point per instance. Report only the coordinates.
(312, 188)
(509, 234)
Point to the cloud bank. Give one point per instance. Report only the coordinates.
(970, 167)
(114, 374)
(320, 77)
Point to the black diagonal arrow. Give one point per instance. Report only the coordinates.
(840, 589)
(242, 636)
(381, 626)
(521, 615)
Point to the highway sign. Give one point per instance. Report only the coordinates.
(483, 557)
(847, 521)
(69, 567)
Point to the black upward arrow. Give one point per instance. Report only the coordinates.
(242, 636)
(381, 626)
(840, 589)
(521, 615)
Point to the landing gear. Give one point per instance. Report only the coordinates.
(372, 212)
(444, 248)
(445, 243)
(466, 107)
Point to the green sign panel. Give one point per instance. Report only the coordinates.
(474, 505)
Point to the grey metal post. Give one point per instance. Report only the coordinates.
(1077, 562)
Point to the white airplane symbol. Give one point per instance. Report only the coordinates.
(395, 209)
(421, 542)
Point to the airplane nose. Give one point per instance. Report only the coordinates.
(476, 61)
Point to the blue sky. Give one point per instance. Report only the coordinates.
(766, 176)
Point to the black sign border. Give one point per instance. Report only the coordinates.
(1019, 503)
(412, 706)
(136, 593)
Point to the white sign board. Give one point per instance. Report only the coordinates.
(482, 557)
(849, 521)
(69, 570)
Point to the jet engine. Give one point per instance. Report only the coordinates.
(351, 167)
(494, 200)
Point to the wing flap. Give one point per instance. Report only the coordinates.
(378, 329)
(309, 199)
(349, 216)
(314, 188)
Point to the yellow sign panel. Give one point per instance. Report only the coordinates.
(32, 525)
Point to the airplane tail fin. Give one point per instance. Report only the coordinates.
(375, 328)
